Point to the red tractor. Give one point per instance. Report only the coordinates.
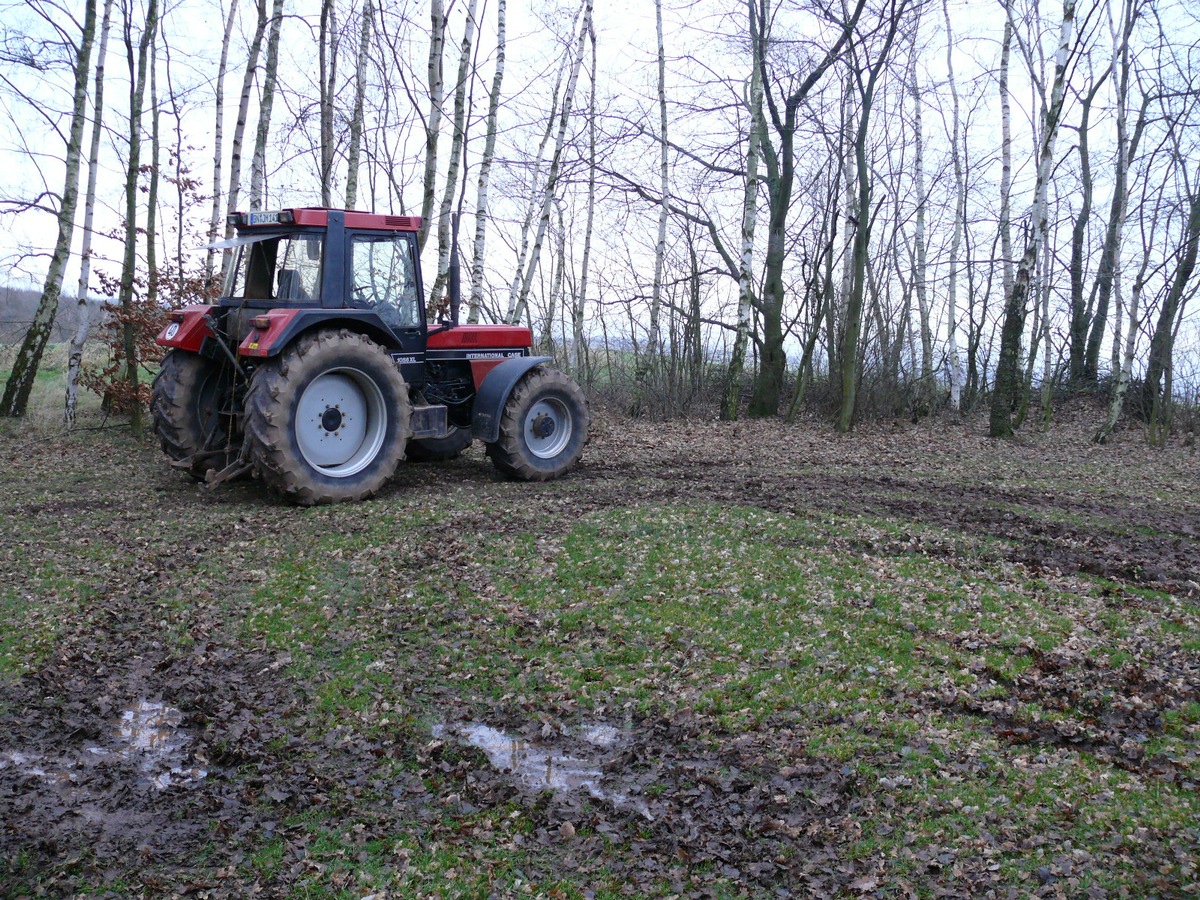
(317, 371)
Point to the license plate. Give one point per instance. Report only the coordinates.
(263, 218)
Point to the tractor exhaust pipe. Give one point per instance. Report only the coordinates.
(455, 272)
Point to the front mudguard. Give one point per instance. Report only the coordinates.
(493, 394)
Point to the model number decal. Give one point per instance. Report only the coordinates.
(405, 358)
(495, 354)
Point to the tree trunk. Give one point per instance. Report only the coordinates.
(1078, 325)
(214, 224)
(1006, 248)
(737, 360)
(578, 340)
(152, 190)
(1126, 150)
(329, 43)
(356, 120)
(960, 217)
(779, 180)
(29, 357)
(258, 163)
(433, 122)
(927, 383)
(83, 311)
(239, 129)
(1154, 398)
(653, 339)
(457, 141)
(482, 212)
(1008, 372)
(137, 95)
(862, 234)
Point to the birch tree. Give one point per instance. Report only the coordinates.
(653, 340)
(258, 162)
(214, 221)
(353, 154)
(1008, 372)
(746, 298)
(433, 122)
(20, 380)
(927, 383)
(239, 128)
(457, 144)
(960, 217)
(137, 94)
(482, 212)
(83, 310)
(329, 44)
(578, 339)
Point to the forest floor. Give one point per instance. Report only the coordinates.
(716, 660)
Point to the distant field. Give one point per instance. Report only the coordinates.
(748, 660)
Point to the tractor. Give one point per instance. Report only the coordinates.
(318, 373)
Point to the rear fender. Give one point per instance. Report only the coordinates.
(187, 329)
(288, 324)
(494, 392)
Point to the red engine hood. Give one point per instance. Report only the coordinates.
(466, 337)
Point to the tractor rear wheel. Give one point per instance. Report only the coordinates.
(191, 407)
(327, 420)
(543, 428)
(439, 449)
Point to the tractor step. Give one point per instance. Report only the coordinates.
(429, 421)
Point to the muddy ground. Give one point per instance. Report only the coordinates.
(234, 751)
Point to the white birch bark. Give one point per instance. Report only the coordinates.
(578, 341)
(214, 222)
(84, 318)
(356, 120)
(1008, 372)
(137, 94)
(433, 122)
(920, 275)
(960, 214)
(457, 140)
(485, 170)
(24, 369)
(329, 45)
(258, 163)
(1006, 250)
(737, 359)
(239, 128)
(555, 165)
(660, 246)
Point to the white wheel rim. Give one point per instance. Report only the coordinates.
(341, 422)
(548, 428)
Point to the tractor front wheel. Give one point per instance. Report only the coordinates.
(327, 421)
(191, 406)
(543, 428)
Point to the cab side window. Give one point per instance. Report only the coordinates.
(382, 278)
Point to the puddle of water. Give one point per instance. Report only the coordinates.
(542, 765)
(148, 733)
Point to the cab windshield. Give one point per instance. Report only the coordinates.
(275, 267)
